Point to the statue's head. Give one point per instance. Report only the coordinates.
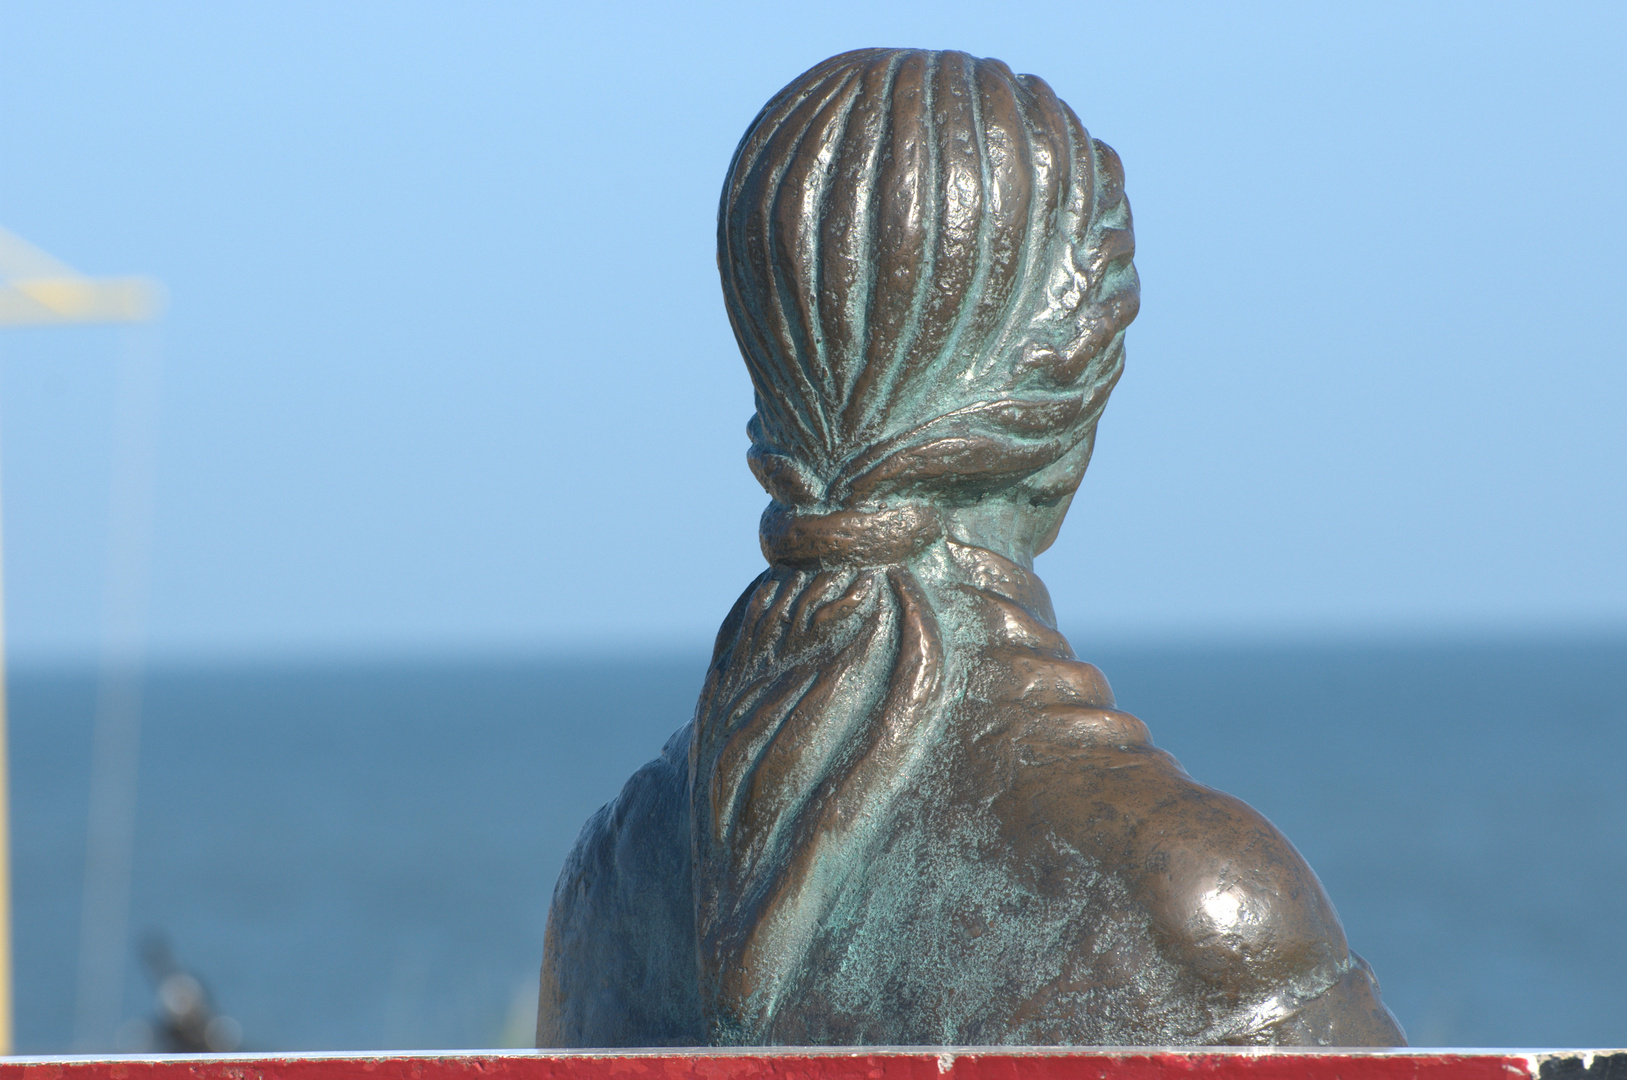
(927, 265)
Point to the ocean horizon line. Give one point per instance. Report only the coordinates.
(678, 648)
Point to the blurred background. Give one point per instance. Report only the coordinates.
(368, 572)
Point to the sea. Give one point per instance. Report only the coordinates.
(360, 855)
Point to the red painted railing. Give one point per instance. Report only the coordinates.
(850, 1064)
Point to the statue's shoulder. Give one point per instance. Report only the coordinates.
(619, 956)
(1230, 903)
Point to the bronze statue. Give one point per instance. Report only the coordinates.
(904, 813)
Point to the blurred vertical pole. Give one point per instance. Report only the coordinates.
(116, 735)
(39, 290)
(7, 1044)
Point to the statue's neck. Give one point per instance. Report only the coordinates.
(1006, 528)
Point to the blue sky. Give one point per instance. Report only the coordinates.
(446, 366)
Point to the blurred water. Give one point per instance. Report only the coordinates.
(361, 857)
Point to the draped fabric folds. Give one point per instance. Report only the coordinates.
(816, 716)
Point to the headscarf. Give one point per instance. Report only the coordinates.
(927, 265)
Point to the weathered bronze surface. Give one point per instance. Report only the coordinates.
(904, 813)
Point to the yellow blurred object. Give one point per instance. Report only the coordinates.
(39, 290)
(44, 301)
